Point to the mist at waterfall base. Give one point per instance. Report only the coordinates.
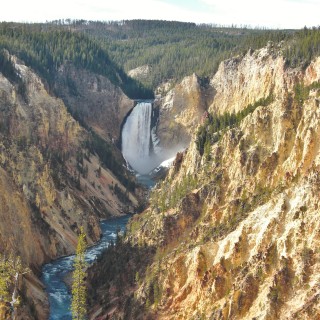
(140, 143)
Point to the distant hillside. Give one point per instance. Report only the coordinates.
(46, 49)
(172, 49)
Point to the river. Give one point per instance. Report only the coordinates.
(53, 273)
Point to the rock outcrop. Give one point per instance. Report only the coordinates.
(94, 100)
(141, 73)
(181, 109)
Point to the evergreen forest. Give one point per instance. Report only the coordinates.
(171, 50)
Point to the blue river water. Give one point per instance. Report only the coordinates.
(53, 273)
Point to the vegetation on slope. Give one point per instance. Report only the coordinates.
(173, 49)
(11, 271)
(45, 50)
(79, 289)
(302, 47)
(8, 70)
(167, 196)
(301, 92)
(115, 274)
(110, 158)
(214, 125)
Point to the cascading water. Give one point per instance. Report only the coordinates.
(136, 139)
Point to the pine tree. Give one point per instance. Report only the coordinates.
(4, 279)
(79, 290)
(11, 270)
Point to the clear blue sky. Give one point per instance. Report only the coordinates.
(268, 13)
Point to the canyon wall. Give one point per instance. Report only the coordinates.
(93, 99)
(234, 233)
(181, 109)
(51, 180)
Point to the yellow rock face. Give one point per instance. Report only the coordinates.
(251, 248)
(95, 99)
(181, 110)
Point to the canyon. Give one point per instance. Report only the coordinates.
(230, 232)
(60, 167)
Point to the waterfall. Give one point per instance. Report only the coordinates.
(136, 138)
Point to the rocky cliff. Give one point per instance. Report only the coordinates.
(180, 110)
(234, 233)
(51, 179)
(93, 99)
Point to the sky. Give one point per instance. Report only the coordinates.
(279, 14)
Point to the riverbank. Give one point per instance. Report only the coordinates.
(54, 273)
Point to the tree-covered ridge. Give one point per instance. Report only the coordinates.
(46, 49)
(173, 49)
(177, 49)
(8, 69)
(303, 47)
